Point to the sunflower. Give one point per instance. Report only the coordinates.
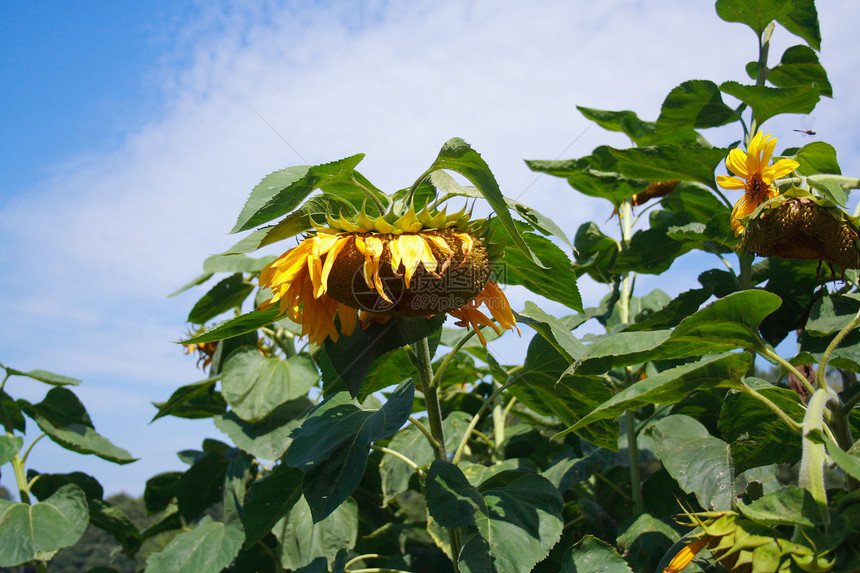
(369, 270)
(755, 176)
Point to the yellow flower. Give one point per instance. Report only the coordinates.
(755, 176)
(685, 556)
(361, 275)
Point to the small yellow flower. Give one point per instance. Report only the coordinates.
(370, 272)
(755, 176)
(685, 556)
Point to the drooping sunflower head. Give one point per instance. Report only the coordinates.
(367, 269)
(755, 176)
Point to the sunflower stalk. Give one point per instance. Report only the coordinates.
(626, 217)
(814, 455)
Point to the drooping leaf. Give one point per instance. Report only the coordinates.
(331, 445)
(43, 376)
(553, 331)
(757, 437)
(224, 296)
(208, 548)
(591, 555)
(38, 531)
(303, 540)
(617, 349)
(624, 121)
(611, 186)
(768, 102)
(673, 313)
(268, 438)
(269, 500)
(672, 385)
(248, 322)
(198, 400)
(666, 162)
(513, 519)
(65, 420)
(799, 66)
(802, 21)
(235, 264)
(254, 385)
(699, 462)
(815, 157)
(47, 484)
(558, 283)
(349, 359)
(541, 386)
(795, 282)
(160, 490)
(756, 14)
(694, 104)
(456, 155)
(113, 520)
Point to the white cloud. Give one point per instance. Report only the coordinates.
(91, 253)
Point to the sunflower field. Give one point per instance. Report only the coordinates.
(373, 431)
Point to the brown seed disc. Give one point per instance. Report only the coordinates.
(800, 229)
(464, 278)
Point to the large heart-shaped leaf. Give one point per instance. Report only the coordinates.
(303, 539)
(208, 548)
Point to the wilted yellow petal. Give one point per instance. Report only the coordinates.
(685, 556)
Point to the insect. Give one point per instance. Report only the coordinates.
(805, 131)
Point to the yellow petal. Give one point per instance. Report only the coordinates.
(727, 182)
(779, 169)
(348, 317)
(685, 556)
(497, 303)
(331, 257)
(736, 162)
(412, 251)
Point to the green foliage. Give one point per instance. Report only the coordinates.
(408, 447)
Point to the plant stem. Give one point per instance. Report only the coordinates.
(814, 455)
(424, 430)
(770, 353)
(397, 455)
(467, 434)
(825, 358)
(794, 426)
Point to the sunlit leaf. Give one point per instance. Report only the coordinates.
(699, 462)
(553, 330)
(235, 264)
(43, 376)
(248, 322)
(789, 505)
(802, 21)
(799, 66)
(768, 102)
(268, 438)
(665, 162)
(208, 548)
(694, 104)
(302, 540)
(9, 447)
(756, 14)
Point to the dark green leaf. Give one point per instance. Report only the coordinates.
(208, 548)
(700, 204)
(802, 21)
(553, 330)
(302, 540)
(830, 314)
(248, 322)
(115, 521)
(672, 385)
(37, 531)
(624, 121)
(645, 541)
(768, 102)
(558, 283)
(270, 499)
(800, 67)
(9, 447)
(789, 505)
(595, 252)
(795, 283)
(699, 462)
(63, 418)
(202, 485)
(541, 386)
(302, 219)
(611, 186)
(756, 14)
(160, 490)
(591, 555)
(757, 437)
(331, 445)
(513, 519)
(269, 438)
(673, 313)
(694, 104)
(666, 162)
(198, 400)
(254, 385)
(349, 359)
(226, 295)
(456, 155)
(46, 484)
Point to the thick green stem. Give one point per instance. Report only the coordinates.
(814, 454)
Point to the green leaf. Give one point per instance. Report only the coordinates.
(160, 490)
(800, 67)
(673, 313)
(302, 219)
(756, 435)
(611, 186)
(591, 555)
(666, 162)
(36, 532)
(63, 418)
(802, 21)
(624, 121)
(558, 283)
(198, 400)
(254, 385)
(700, 204)
(268, 438)
(541, 386)
(789, 505)
(694, 104)
(202, 485)
(618, 349)
(9, 447)
(248, 322)
(795, 283)
(513, 519)
(302, 540)
(595, 252)
(830, 314)
(832, 190)
(208, 548)
(672, 385)
(848, 461)
(331, 445)
(645, 541)
(115, 521)
(756, 14)
(699, 462)
(269, 500)
(456, 155)
(199, 280)
(768, 102)
(47, 484)
(349, 359)
(411, 442)
(43, 376)
(226, 295)
(553, 330)
(282, 191)
(235, 264)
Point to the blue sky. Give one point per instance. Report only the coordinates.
(133, 134)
